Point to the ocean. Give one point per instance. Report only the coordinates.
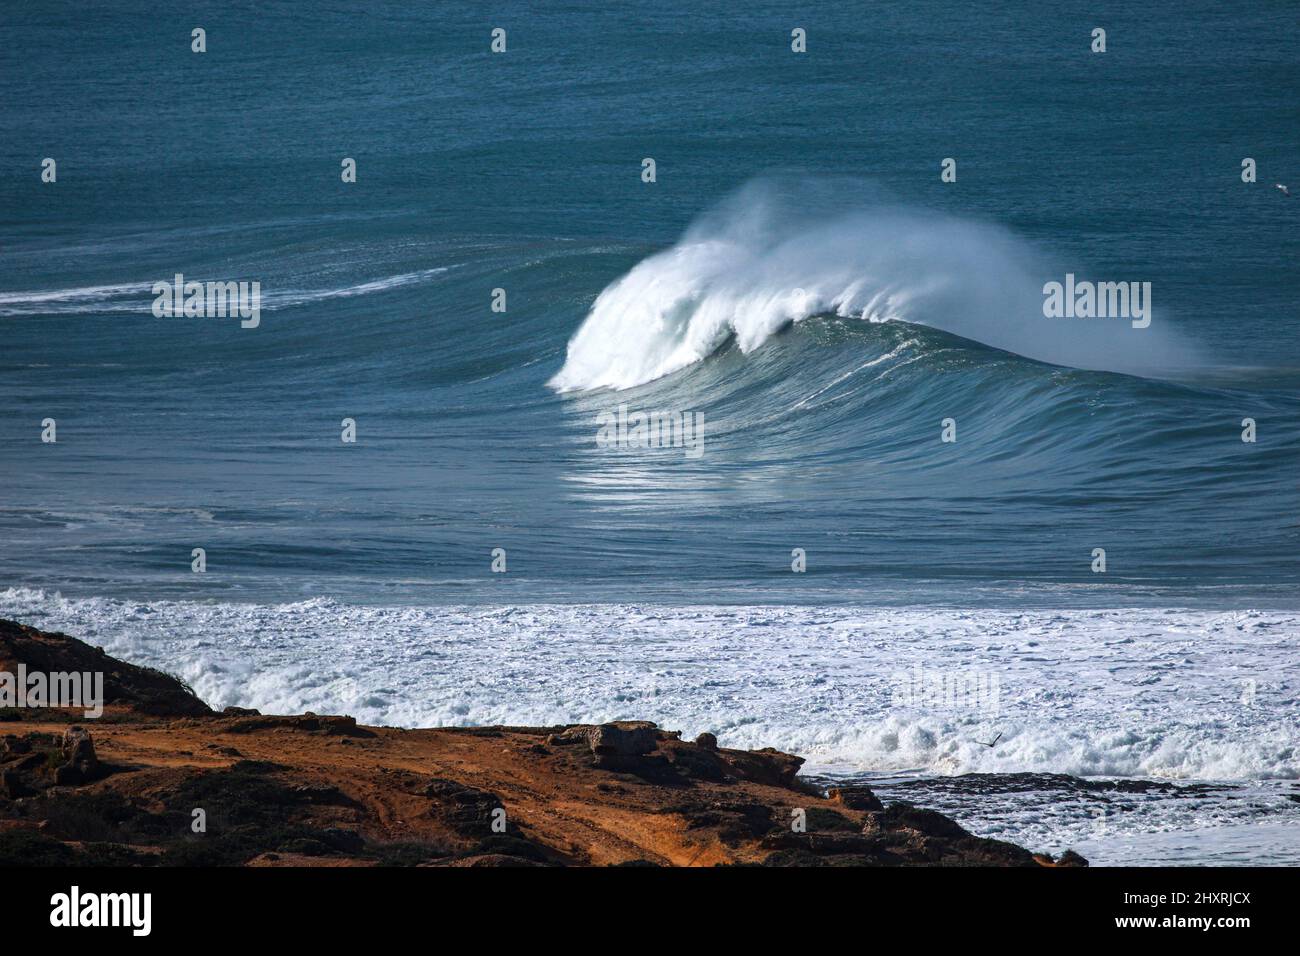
(817, 569)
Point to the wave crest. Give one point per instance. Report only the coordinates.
(778, 252)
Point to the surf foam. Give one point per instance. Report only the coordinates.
(1133, 692)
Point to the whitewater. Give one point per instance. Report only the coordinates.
(782, 250)
(1129, 692)
(1204, 702)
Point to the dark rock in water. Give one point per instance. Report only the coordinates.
(989, 783)
(1070, 858)
(856, 798)
(927, 822)
(905, 834)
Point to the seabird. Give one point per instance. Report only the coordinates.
(991, 742)
(1285, 191)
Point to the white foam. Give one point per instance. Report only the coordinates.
(92, 293)
(1132, 692)
(137, 296)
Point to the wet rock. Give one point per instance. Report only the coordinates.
(901, 816)
(912, 835)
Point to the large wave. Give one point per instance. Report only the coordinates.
(779, 251)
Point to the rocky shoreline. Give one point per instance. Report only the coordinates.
(162, 779)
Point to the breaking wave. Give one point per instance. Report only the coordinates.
(778, 252)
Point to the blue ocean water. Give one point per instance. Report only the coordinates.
(522, 171)
(798, 274)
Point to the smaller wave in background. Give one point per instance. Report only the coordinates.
(138, 296)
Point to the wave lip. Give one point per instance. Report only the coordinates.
(769, 256)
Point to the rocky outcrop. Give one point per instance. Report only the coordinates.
(339, 726)
(128, 688)
(625, 738)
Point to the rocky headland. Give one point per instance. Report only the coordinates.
(162, 779)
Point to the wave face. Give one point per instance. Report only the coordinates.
(822, 427)
(781, 250)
